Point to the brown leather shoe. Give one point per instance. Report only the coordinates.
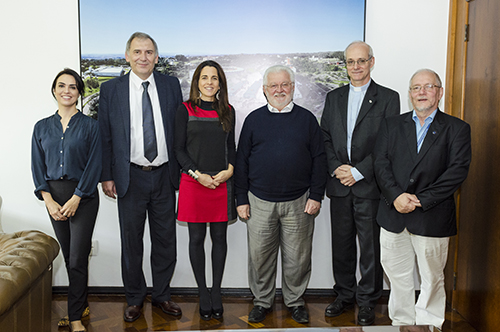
(169, 307)
(132, 313)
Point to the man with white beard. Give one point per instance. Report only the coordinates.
(280, 178)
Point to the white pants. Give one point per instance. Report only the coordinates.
(398, 252)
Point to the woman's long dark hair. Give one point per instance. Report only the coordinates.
(221, 103)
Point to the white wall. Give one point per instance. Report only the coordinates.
(39, 38)
(406, 36)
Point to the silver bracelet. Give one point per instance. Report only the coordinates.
(193, 174)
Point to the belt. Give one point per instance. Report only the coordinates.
(147, 168)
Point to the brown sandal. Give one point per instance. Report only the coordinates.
(82, 329)
(65, 320)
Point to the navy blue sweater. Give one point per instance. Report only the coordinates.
(280, 156)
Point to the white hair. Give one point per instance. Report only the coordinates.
(278, 68)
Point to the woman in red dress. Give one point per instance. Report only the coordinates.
(205, 149)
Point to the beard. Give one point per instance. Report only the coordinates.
(275, 102)
(424, 108)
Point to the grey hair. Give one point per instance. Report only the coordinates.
(426, 70)
(140, 35)
(278, 68)
(359, 42)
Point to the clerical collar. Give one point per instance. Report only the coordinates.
(362, 88)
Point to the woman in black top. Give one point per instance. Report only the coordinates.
(205, 148)
(66, 167)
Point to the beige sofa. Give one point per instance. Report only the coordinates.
(26, 280)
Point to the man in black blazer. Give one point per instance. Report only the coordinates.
(420, 160)
(136, 118)
(350, 123)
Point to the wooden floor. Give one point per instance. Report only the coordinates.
(107, 315)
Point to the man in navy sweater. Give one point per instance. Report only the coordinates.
(280, 178)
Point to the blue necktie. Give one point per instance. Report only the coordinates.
(148, 125)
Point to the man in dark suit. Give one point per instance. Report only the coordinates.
(350, 123)
(420, 160)
(136, 118)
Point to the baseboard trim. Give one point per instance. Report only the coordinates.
(193, 291)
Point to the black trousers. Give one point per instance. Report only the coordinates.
(75, 237)
(351, 216)
(151, 193)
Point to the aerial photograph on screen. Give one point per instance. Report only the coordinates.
(244, 37)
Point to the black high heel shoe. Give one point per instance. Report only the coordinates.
(217, 313)
(205, 305)
(217, 308)
(205, 314)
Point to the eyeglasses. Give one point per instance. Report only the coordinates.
(360, 62)
(284, 85)
(427, 87)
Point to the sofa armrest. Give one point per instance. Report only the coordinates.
(24, 256)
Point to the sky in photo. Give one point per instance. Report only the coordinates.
(194, 27)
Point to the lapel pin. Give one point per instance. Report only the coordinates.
(370, 101)
(433, 133)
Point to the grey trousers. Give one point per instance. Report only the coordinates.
(271, 226)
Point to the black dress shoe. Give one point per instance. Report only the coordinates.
(366, 315)
(258, 314)
(337, 307)
(169, 307)
(217, 313)
(299, 314)
(132, 313)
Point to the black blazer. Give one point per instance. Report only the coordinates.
(433, 175)
(379, 103)
(114, 123)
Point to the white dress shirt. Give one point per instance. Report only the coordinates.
(136, 132)
(286, 109)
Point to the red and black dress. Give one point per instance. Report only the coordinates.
(201, 144)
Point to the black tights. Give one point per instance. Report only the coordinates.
(197, 233)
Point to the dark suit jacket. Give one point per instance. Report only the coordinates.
(433, 175)
(114, 123)
(379, 103)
